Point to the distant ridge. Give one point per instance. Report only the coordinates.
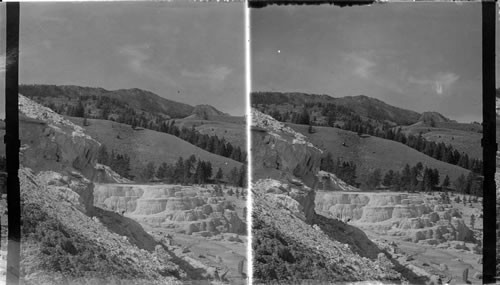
(136, 99)
(362, 105)
(435, 117)
(205, 112)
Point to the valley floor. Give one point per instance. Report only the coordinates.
(430, 260)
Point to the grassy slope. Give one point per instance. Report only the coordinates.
(145, 145)
(232, 129)
(463, 137)
(372, 152)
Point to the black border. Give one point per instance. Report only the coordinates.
(341, 3)
(489, 141)
(11, 140)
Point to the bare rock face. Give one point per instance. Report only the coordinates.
(74, 188)
(330, 182)
(298, 199)
(279, 148)
(60, 151)
(50, 142)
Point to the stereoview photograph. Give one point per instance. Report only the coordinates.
(133, 143)
(366, 154)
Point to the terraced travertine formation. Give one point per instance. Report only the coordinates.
(414, 217)
(189, 209)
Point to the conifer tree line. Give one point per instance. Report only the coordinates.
(115, 110)
(354, 122)
(416, 178)
(184, 171)
(344, 170)
(209, 143)
(194, 171)
(120, 163)
(419, 178)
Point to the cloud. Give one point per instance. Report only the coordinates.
(137, 56)
(211, 73)
(140, 61)
(440, 83)
(362, 66)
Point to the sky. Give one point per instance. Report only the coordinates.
(418, 56)
(187, 52)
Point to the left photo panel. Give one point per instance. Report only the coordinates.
(133, 143)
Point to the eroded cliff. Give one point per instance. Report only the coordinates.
(280, 152)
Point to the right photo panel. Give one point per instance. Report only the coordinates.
(366, 143)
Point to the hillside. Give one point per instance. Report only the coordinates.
(62, 245)
(66, 239)
(231, 128)
(291, 242)
(206, 112)
(369, 153)
(146, 110)
(307, 218)
(443, 139)
(144, 145)
(291, 245)
(97, 99)
(364, 106)
(463, 137)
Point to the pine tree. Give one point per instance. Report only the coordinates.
(460, 184)
(406, 177)
(387, 181)
(233, 176)
(149, 172)
(446, 182)
(219, 175)
(79, 111)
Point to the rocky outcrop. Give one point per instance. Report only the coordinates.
(104, 174)
(62, 245)
(279, 150)
(50, 142)
(192, 209)
(73, 188)
(415, 216)
(62, 153)
(330, 182)
(294, 196)
(290, 237)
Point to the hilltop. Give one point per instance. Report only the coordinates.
(361, 105)
(61, 98)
